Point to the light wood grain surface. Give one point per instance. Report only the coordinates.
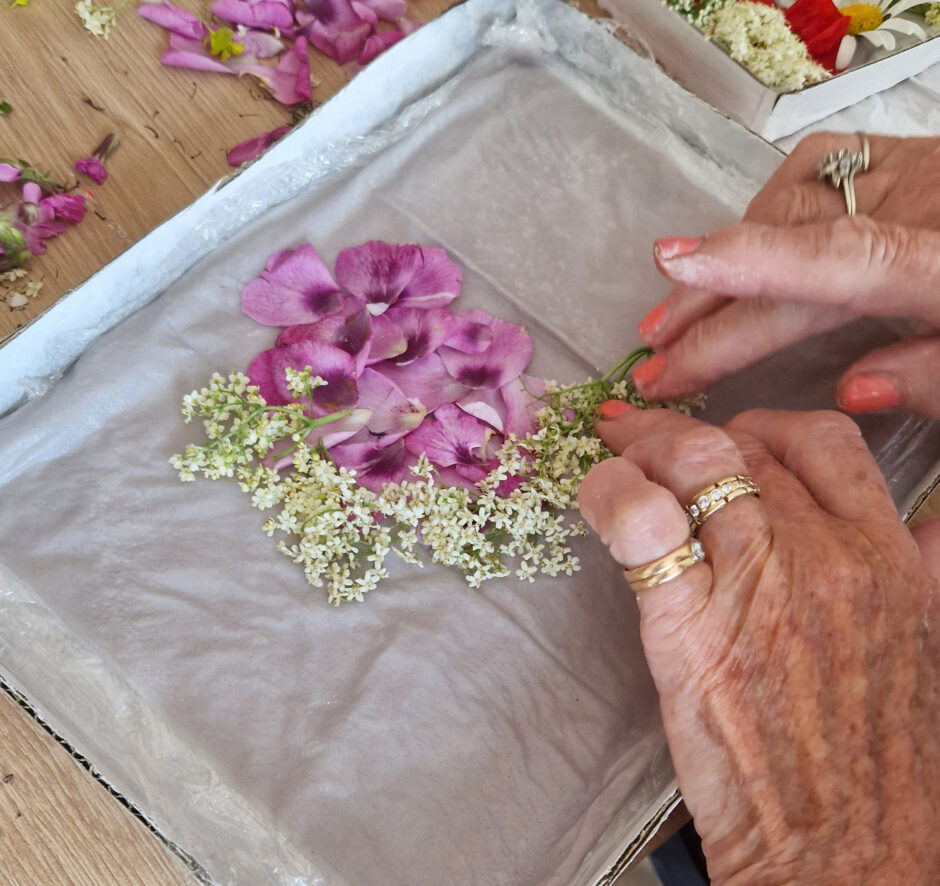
(58, 825)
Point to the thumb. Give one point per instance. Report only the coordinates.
(903, 374)
(865, 267)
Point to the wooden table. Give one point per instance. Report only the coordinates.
(58, 825)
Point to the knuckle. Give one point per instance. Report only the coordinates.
(700, 443)
(829, 425)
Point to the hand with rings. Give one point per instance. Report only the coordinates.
(796, 652)
(800, 263)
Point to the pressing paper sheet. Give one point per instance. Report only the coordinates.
(434, 734)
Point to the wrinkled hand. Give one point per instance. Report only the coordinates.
(798, 265)
(798, 667)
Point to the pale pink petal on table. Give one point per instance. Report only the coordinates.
(174, 19)
(254, 147)
(268, 14)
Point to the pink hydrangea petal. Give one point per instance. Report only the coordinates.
(426, 380)
(334, 366)
(468, 335)
(295, 287)
(388, 340)
(375, 466)
(506, 358)
(424, 331)
(9, 173)
(377, 272)
(174, 19)
(435, 282)
(351, 334)
(376, 44)
(269, 14)
(253, 147)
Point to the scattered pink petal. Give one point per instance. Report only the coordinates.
(289, 81)
(373, 10)
(270, 14)
(377, 43)
(184, 52)
(176, 20)
(93, 168)
(334, 366)
(70, 208)
(259, 44)
(468, 335)
(295, 287)
(436, 282)
(375, 466)
(32, 193)
(393, 414)
(9, 173)
(36, 219)
(336, 29)
(351, 334)
(424, 330)
(388, 340)
(426, 380)
(506, 358)
(253, 147)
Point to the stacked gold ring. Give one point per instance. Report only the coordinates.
(713, 498)
(658, 572)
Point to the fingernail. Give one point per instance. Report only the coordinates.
(652, 322)
(611, 409)
(667, 248)
(866, 393)
(649, 370)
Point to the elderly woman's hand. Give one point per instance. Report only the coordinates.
(798, 667)
(798, 265)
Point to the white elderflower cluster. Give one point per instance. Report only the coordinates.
(97, 19)
(759, 37)
(697, 11)
(932, 17)
(341, 533)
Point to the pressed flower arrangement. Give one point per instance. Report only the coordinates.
(788, 45)
(384, 423)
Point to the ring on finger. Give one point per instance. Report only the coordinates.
(713, 498)
(665, 568)
(840, 167)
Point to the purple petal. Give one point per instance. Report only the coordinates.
(451, 438)
(351, 334)
(269, 14)
(334, 366)
(486, 405)
(393, 414)
(506, 358)
(259, 43)
(376, 44)
(377, 272)
(295, 287)
(387, 10)
(337, 30)
(184, 52)
(521, 399)
(174, 19)
(289, 82)
(69, 207)
(375, 466)
(9, 173)
(435, 282)
(426, 380)
(424, 331)
(32, 193)
(253, 147)
(469, 336)
(387, 340)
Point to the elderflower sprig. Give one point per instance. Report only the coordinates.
(341, 533)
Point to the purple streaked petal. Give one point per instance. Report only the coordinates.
(268, 14)
(376, 44)
(506, 358)
(393, 414)
(337, 30)
(70, 207)
(426, 380)
(424, 330)
(520, 397)
(253, 147)
(334, 366)
(174, 19)
(451, 438)
(9, 173)
(341, 430)
(388, 340)
(375, 466)
(377, 272)
(486, 405)
(351, 334)
(289, 81)
(468, 335)
(435, 282)
(295, 287)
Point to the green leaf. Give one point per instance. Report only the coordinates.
(5, 107)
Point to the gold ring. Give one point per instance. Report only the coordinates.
(665, 568)
(715, 497)
(840, 167)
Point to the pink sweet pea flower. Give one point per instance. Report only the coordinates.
(253, 147)
(70, 207)
(268, 14)
(93, 168)
(295, 287)
(36, 219)
(9, 173)
(382, 274)
(506, 358)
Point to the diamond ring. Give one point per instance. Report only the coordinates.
(715, 497)
(666, 568)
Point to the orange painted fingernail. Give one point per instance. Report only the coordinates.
(650, 370)
(652, 322)
(667, 248)
(866, 393)
(611, 409)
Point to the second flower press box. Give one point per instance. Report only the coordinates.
(899, 44)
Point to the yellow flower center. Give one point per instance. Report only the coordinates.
(220, 44)
(862, 17)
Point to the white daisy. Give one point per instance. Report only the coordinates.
(875, 21)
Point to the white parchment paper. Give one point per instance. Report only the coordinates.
(434, 734)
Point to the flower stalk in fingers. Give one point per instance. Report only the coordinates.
(385, 423)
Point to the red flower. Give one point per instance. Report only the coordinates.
(820, 26)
